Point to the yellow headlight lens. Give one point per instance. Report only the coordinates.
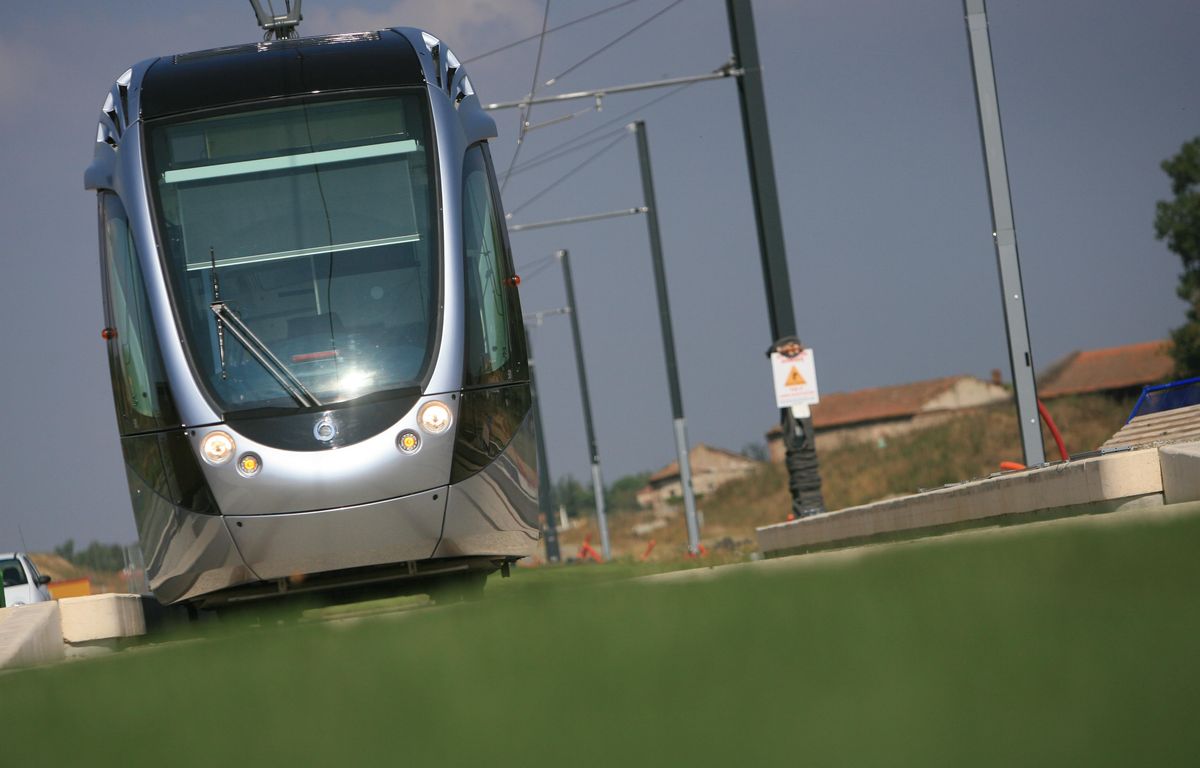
(249, 464)
(217, 448)
(408, 442)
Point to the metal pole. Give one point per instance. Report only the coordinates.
(769, 226)
(545, 490)
(668, 336)
(767, 218)
(1004, 233)
(597, 482)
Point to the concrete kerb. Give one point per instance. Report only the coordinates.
(43, 633)
(101, 617)
(30, 635)
(1130, 479)
(98, 624)
(850, 552)
(1180, 465)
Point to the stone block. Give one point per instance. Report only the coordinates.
(1180, 465)
(101, 617)
(30, 634)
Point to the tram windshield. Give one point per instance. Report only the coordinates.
(301, 247)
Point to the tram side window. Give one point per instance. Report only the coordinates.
(140, 389)
(494, 332)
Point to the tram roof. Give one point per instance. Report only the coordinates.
(261, 71)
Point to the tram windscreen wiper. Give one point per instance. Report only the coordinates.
(260, 352)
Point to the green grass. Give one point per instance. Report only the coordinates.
(1070, 646)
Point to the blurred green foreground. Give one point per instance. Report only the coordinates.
(1050, 646)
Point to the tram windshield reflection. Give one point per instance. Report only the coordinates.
(313, 223)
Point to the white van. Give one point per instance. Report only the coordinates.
(22, 582)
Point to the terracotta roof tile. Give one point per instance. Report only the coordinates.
(841, 408)
(1100, 370)
(672, 469)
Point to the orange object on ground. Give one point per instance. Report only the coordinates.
(588, 552)
(701, 552)
(70, 588)
(1011, 466)
(649, 549)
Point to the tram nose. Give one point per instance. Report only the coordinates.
(359, 454)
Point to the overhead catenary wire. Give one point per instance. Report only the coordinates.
(728, 69)
(537, 64)
(580, 219)
(568, 174)
(552, 30)
(621, 118)
(539, 270)
(556, 120)
(548, 157)
(536, 263)
(526, 111)
(610, 44)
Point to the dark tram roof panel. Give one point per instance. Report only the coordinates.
(261, 71)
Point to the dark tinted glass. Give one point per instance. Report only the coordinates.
(495, 338)
(13, 572)
(488, 420)
(140, 390)
(313, 223)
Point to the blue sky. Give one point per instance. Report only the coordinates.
(880, 171)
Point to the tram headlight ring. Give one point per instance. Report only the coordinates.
(249, 464)
(217, 448)
(434, 417)
(408, 441)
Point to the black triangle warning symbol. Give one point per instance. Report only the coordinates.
(794, 378)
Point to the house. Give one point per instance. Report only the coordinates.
(711, 468)
(1118, 371)
(868, 415)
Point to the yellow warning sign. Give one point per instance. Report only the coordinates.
(794, 378)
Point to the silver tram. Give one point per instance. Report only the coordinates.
(314, 334)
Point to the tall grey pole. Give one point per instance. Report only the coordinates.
(803, 479)
(545, 490)
(668, 336)
(767, 218)
(1004, 232)
(593, 452)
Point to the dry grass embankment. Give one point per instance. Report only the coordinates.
(967, 447)
(60, 569)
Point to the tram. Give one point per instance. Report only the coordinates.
(313, 325)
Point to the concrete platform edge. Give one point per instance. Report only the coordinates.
(1130, 504)
(1180, 465)
(48, 632)
(1098, 484)
(101, 617)
(30, 635)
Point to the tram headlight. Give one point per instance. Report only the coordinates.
(434, 417)
(217, 448)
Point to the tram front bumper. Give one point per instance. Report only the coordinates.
(391, 531)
